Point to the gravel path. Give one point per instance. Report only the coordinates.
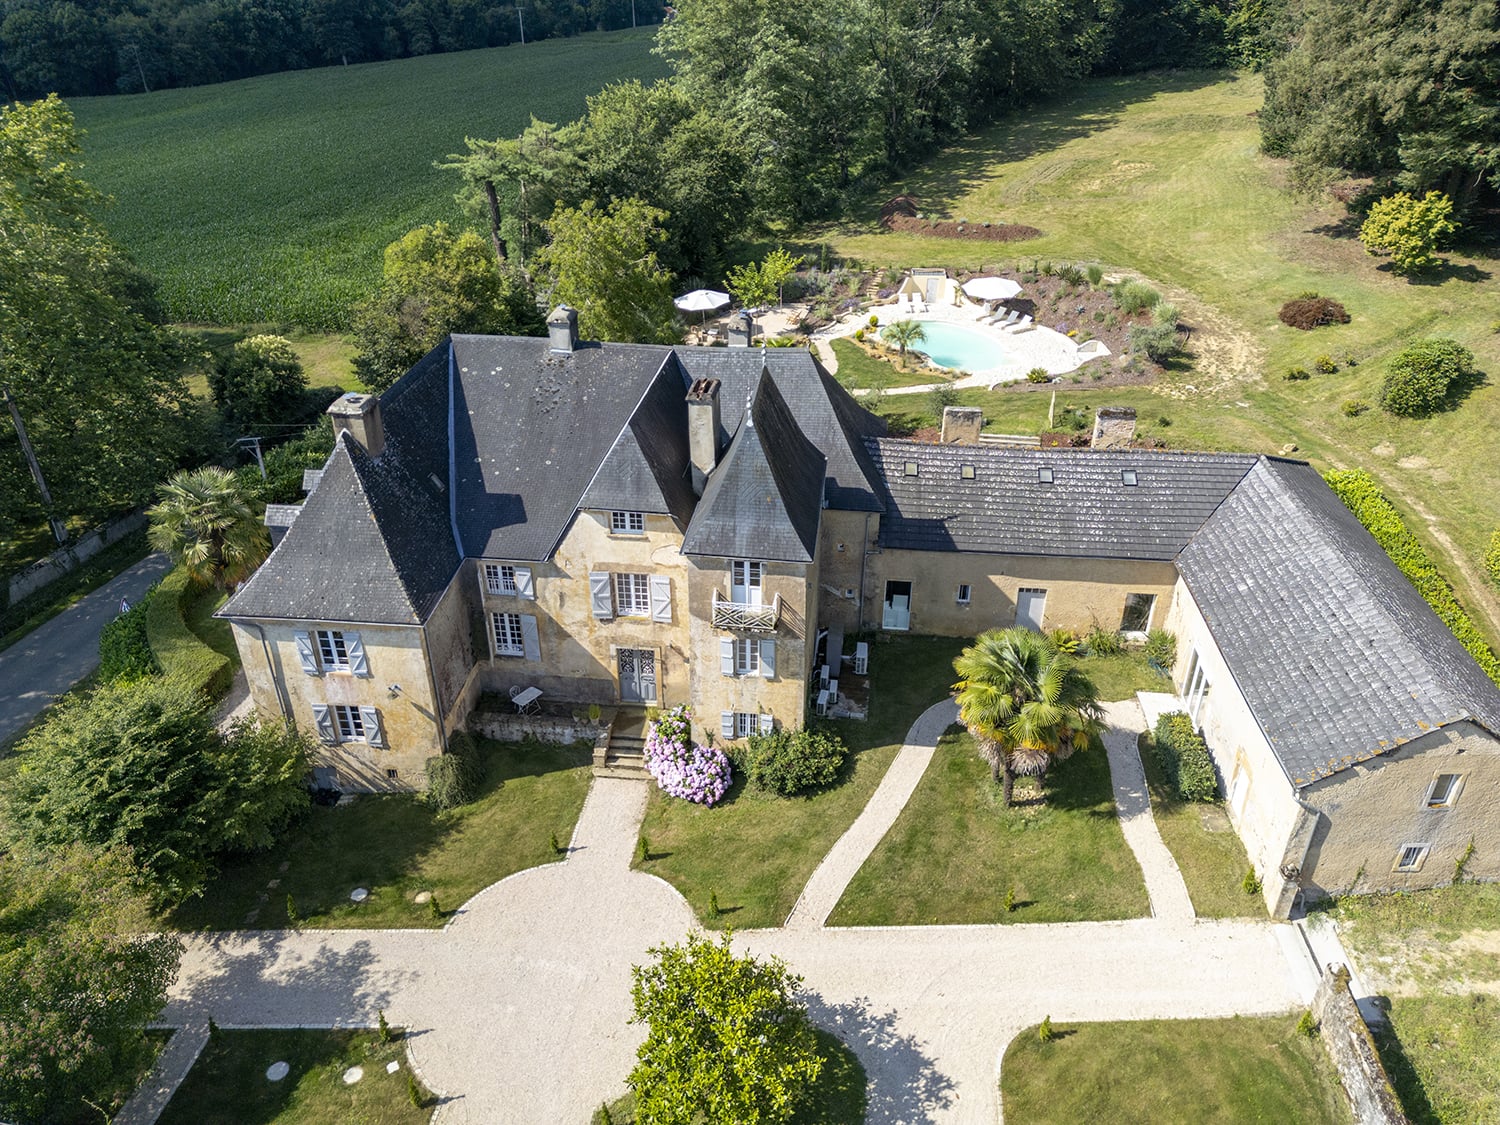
(1164, 885)
(848, 855)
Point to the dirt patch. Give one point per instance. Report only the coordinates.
(1424, 962)
(903, 213)
(1414, 462)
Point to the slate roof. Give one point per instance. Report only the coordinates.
(1338, 656)
(647, 468)
(372, 545)
(765, 498)
(1085, 512)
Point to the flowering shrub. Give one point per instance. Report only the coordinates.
(683, 769)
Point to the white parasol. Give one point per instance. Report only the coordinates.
(991, 288)
(702, 300)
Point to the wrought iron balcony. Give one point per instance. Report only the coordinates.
(746, 618)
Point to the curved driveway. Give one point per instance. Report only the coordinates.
(518, 1008)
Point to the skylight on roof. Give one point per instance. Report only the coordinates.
(911, 468)
(966, 472)
(1044, 474)
(1127, 476)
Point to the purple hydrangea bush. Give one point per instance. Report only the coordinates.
(681, 767)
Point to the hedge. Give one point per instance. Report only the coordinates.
(176, 647)
(124, 651)
(1184, 758)
(1362, 496)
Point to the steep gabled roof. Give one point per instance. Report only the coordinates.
(1338, 656)
(1085, 511)
(372, 545)
(765, 498)
(646, 470)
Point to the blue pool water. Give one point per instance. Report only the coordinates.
(951, 345)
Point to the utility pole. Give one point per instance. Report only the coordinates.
(632, 15)
(59, 529)
(254, 444)
(522, 20)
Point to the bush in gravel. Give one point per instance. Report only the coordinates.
(454, 778)
(1184, 758)
(791, 762)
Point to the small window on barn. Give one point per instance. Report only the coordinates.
(911, 469)
(966, 472)
(1128, 477)
(1412, 857)
(962, 597)
(393, 774)
(1444, 791)
(1044, 475)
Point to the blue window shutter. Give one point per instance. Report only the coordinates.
(767, 724)
(726, 723)
(531, 645)
(661, 598)
(768, 658)
(374, 729)
(355, 648)
(306, 653)
(726, 655)
(323, 720)
(601, 597)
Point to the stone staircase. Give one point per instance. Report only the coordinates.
(624, 753)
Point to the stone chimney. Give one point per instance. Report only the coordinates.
(961, 425)
(703, 430)
(741, 329)
(360, 416)
(1114, 427)
(562, 330)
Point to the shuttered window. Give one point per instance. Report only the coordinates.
(351, 724)
(633, 595)
(499, 578)
(332, 651)
(509, 640)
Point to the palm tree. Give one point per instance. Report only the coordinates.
(207, 523)
(903, 333)
(1025, 702)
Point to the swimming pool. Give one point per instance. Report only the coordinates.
(952, 345)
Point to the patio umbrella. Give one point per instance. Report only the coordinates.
(991, 288)
(701, 300)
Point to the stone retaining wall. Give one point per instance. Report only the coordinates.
(547, 728)
(67, 559)
(1352, 1048)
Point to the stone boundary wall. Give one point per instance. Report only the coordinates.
(67, 559)
(548, 728)
(1352, 1048)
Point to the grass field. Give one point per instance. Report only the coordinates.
(228, 1083)
(955, 850)
(1161, 174)
(271, 199)
(1209, 1072)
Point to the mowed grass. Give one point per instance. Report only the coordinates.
(1443, 1055)
(1204, 844)
(1209, 1072)
(271, 199)
(859, 369)
(1162, 174)
(956, 850)
(396, 846)
(228, 1083)
(756, 852)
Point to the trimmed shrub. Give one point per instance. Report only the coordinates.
(1422, 375)
(1184, 758)
(1038, 375)
(1325, 365)
(454, 778)
(1354, 407)
(1310, 311)
(124, 651)
(1492, 558)
(1297, 374)
(1362, 496)
(791, 762)
(177, 649)
(1161, 650)
(1134, 296)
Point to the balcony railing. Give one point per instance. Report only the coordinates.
(750, 618)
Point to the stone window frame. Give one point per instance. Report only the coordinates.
(1450, 794)
(1411, 857)
(627, 523)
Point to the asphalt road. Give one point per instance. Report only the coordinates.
(56, 655)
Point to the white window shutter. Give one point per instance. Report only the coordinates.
(726, 655)
(355, 648)
(768, 658)
(323, 720)
(374, 730)
(661, 598)
(600, 594)
(306, 653)
(530, 644)
(726, 723)
(525, 587)
(767, 724)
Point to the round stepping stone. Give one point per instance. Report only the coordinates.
(277, 1071)
(359, 894)
(353, 1075)
(423, 898)
(392, 1066)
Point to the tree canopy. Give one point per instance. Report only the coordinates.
(260, 380)
(206, 522)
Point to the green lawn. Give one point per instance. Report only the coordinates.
(1161, 173)
(1443, 1055)
(837, 1098)
(1204, 844)
(1208, 1072)
(270, 200)
(396, 846)
(756, 852)
(955, 850)
(228, 1083)
(327, 358)
(859, 369)
(216, 634)
(1121, 676)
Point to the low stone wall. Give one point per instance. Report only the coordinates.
(547, 728)
(1352, 1048)
(67, 559)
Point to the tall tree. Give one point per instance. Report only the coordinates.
(602, 261)
(97, 380)
(83, 969)
(1024, 701)
(259, 381)
(205, 520)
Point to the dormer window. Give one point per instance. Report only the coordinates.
(1128, 477)
(627, 523)
(1044, 475)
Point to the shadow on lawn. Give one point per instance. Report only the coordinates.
(904, 1084)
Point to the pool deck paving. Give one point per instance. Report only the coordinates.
(518, 1009)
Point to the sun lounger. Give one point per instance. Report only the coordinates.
(1025, 325)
